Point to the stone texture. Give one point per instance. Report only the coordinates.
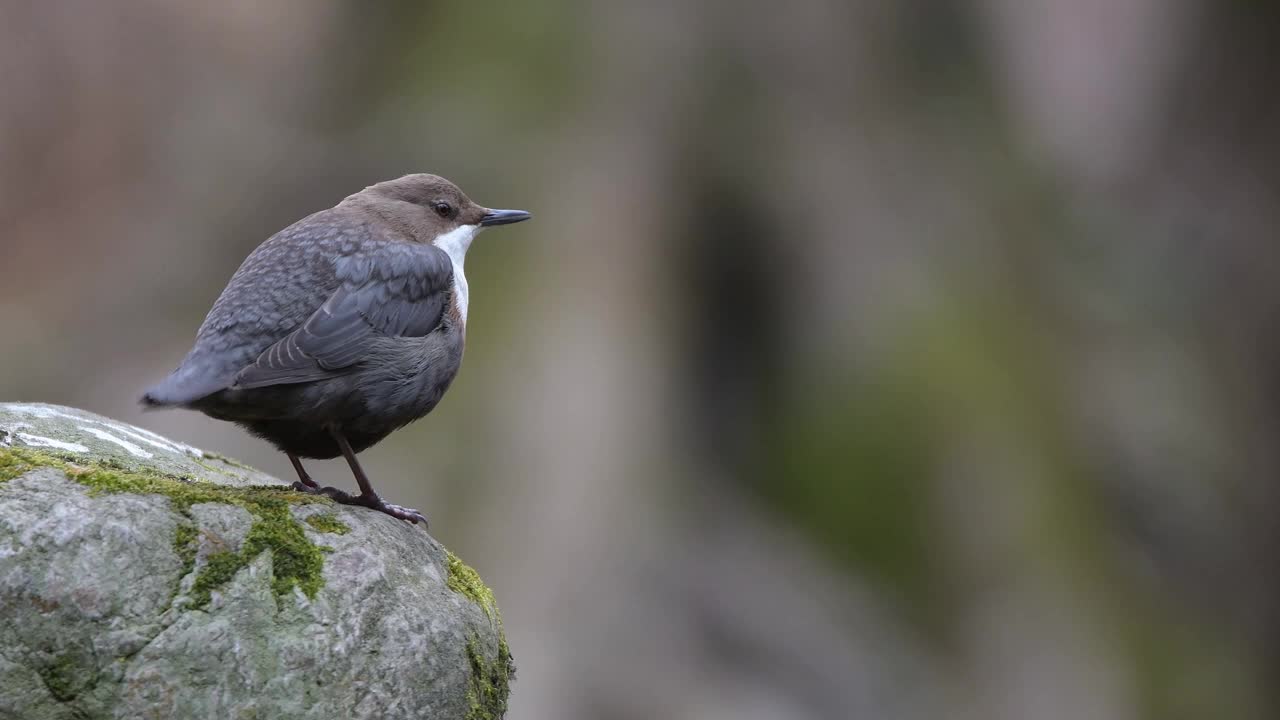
(142, 578)
(71, 432)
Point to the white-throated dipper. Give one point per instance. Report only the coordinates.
(341, 328)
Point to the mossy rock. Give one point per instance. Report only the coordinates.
(143, 578)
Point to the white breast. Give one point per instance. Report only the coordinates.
(456, 243)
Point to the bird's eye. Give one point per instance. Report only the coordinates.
(442, 208)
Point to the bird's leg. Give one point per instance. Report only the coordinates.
(303, 478)
(366, 488)
(367, 497)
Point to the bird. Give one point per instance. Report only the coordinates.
(341, 328)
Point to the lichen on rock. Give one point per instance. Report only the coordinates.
(490, 678)
(187, 585)
(297, 561)
(328, 524)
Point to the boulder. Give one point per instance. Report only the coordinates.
(143, 578)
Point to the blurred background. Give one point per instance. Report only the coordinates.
(864, 359)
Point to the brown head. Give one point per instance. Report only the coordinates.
(430, 209)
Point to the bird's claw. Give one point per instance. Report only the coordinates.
(372, 502)
(404, 513)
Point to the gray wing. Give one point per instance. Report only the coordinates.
(396, 290)
(275, 291)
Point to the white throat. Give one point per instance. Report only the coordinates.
(455, 243)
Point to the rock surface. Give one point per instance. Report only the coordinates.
(143, 578)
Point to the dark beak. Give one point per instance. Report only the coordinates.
(503, 217)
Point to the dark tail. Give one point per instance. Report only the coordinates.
(151, 401)
(183, 387)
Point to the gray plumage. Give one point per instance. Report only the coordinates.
(344, 325)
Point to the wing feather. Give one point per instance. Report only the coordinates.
(397, 290)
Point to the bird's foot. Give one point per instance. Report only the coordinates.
(372, 502)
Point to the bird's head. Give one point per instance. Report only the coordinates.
(433, 210)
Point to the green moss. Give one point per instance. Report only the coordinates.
(297, 562)
(67, 677)
(465, 581)
(490, 681)
(185, 543)
(59, 678)
(218, 570)
(328, 524)
(15, 463)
